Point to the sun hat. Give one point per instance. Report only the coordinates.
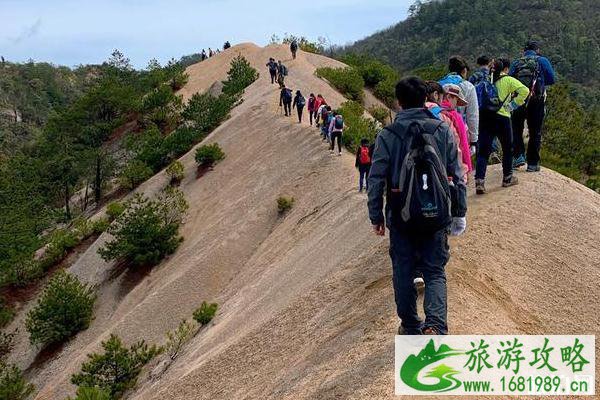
(454, 90)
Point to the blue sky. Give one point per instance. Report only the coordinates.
(69, 32)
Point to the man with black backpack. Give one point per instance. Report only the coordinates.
(415, 162)
(299, 103)
(294, 48)
(535, 72)
(285, 100)
(282, 72)
(272, 65)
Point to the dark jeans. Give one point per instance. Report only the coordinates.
(491, 126)
(273, 76)
(300, 109)
(430, 253)
(363, 171)
(337, 135)
(534, 113)
(287, 108)
(311, 115)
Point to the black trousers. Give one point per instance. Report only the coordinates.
(491, 126)
(300, 109)
(287, 108)
(534, 113)
(337, 135)
(273, 76)
(311, 115)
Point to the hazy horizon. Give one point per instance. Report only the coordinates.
(70, 33)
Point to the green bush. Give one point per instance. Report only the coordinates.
(240, 75)
(209, 154)
(357, 126)
(284, 204)
(91, 393)
(148, 230)
(6, 314)
(181, 141)
(207, 112)
(13, 385)
(381, 114)
(386, 92)
(148, 148)
(116, 370)
(59, 244)
(6, 343)
(21, 273)
(175, 171)
(179, 337)
(114, 210)
(65, 308)
(346, 80)
(205, 313)
(135, 172)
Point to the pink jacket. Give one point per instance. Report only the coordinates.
(457, 122)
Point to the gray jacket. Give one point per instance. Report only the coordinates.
(387, 158)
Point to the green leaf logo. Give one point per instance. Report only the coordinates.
(414, 364)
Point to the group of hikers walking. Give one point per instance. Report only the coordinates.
(204, 55)
(421, 163)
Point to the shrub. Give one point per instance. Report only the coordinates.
(21, 273)
(64, 309)
(59, 243)
(6, 314)
(175, 171)
(148, 148)
(6, 343)
(206, 112)
(91, 393)
(381, 114)
(347, 80)
(178, 337)
(135, 172)
(114, 210)
(181, 141)
(284, 204)
(240, 75)
(13, 385)
(117, 369)
(148, 230)
(99, 225)
(357, 125)
(209, 154)
(386, 92)
(205, 313)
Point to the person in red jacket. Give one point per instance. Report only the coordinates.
(320, 101)
(310, 107)
(364, 154)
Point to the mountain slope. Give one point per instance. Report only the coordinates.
(306, 305)
(437, 29)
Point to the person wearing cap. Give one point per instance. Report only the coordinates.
(512, 93)
(534, 110)
(453, 99)
(459, 70)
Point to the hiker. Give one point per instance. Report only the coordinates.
(226, 45)
(294, 48)
(363, 163)
(510, 94)
(336, 129)
(203, 55)
(458, 70)
(536, 73)
(482, 71)
(435, 97)
(326, 115)
(320, 103)
(285, 100)
(417, 236)
(299, 103)
(311, 108)
(453, 99)
(281, 74)
(210, 53)
(272, 65)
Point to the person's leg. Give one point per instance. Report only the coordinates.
(310, 117)
(361, 177)
(299, 115)
(339, 141)
(367, 170)
(535, 121)
(434, 255)
(484, 145)
(403, 254)
(331, 142)
(506, 141)
(518, 125)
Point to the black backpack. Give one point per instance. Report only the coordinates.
(527, 70)
(422, 201)
(287, 95)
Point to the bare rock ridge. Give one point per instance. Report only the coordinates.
(306, 304)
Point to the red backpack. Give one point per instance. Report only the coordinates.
(365, 157)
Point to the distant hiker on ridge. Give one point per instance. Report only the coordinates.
(417, 211)
(226, 45)
(203, 55)
(299, 103)
(459, 69)
(272, 65)
(285, 100)
(210, 53)
(294, 48)
(536, 73)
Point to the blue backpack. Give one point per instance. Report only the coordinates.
(451, 79)
(487, 96)
(339, 122)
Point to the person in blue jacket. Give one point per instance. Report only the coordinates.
(535, 72)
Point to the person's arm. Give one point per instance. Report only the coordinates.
(357, 162)
(331, 123)
(472, 114)
(548, 71)
(520, 91)
(455, 171)
(295, 101)
(377, 180)
(281, 98)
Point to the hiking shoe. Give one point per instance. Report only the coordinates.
(533, 168)
(479, 186)
(420, 285)
(510, 181)
(331, 152)
(495, 158)
(519, 161)
(339, 154)
(430, 331)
